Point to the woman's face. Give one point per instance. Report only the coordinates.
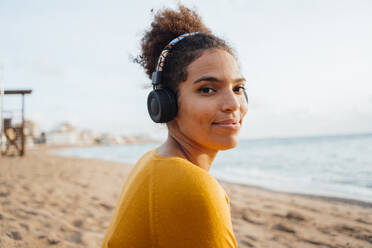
(211, 102)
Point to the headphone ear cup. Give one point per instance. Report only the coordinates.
(162, 105)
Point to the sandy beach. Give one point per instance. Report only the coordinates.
(52, 201)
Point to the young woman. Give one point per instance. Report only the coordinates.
(169, 198)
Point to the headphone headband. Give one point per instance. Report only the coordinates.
(156, 75)
(168, 47)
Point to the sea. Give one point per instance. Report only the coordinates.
(333, 166)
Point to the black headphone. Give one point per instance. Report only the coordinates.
(162, 102)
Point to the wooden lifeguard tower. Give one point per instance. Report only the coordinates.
(12, 135)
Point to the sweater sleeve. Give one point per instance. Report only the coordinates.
(190, 209)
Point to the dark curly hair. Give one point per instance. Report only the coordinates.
(167, 25)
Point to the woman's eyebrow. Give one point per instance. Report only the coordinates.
(240, 80)
(210, 79)
(213, 79)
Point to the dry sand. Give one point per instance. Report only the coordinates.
(52, 201)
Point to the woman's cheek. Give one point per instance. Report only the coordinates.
(244, 108)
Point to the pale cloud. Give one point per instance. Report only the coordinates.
(47, 67)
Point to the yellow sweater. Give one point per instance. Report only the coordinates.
(170, 202)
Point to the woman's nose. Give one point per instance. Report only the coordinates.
(230, 101)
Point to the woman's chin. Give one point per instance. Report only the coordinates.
(226, 143)
(223, 148)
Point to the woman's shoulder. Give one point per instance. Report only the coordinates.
(180, 169)
(172, 175)
(185, 200)
(166, 175)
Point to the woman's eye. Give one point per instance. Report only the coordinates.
(206, 90)
(239, 89)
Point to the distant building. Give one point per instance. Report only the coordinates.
(64, 134)
(32, 129)
(67, 134)
(86, 137)
(32, 133)
(108, 139)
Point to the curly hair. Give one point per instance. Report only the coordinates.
(167, 25)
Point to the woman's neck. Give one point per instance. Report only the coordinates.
(180, 146)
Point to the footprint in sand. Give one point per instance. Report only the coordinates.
(291, 215)
(106, 206)
(246, 243)
(326, 231)
(250, 237)
(26, 187)
(360, 220)
(283, 228)
(51, 238)
(25, 226)
(295, 216)
(4, 191)
(355, 232)
(63, 210)
(14, 235)
(253, 220)
(75, 237)
(77, 223)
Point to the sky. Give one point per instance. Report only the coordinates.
(308, 63)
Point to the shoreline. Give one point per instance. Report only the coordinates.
(356, 202)
(48, 200)
(353, 202)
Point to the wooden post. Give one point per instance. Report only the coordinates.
(2, 93)
(23, 127)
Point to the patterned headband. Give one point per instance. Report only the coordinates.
(168, 47)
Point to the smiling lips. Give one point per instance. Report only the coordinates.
(230, 124)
